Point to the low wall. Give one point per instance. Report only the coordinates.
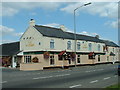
(31, 66)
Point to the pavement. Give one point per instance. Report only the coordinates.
(97, 76)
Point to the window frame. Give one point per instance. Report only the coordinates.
(78, 58)
(98, 58)
(78, 45)
(99, 47)
(90, 46)
(27, 59)
(69, 45)
(52, 46)
(52, 60)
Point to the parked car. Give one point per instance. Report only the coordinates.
(118, 70)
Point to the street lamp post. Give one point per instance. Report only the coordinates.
(75, 27)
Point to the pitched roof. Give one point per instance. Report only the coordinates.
(9, 49)
(110, 43)
(58, 33)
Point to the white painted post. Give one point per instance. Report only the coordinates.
(13, 62)
(113, 60)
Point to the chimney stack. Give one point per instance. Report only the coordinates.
(32, 22)
(97, 36)
(62, 27)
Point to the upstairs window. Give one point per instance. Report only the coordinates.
(90, 47)
(52, 44)
(78, 45)
(98, 47)
(113, 49)
(69, 45)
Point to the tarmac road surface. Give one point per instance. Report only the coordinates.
(97, 76)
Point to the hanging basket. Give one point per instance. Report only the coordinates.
(46, 55)
(73, 56)
(35, 60)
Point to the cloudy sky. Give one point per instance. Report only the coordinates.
(99, 18)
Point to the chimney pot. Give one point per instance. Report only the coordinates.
(32, 22)
(62, 27)
(97, 36)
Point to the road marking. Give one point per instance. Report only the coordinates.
(62, 75)
(51, 76)
(36, 78)
(90, 71)
(75, 86)
(66, 74)
(94, 81)
(107, 78)
(87, 71)
(4, 82)
(41, 77)
(58, 75)
(115, 76)
(100, 69)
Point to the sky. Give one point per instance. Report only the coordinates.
(98, 18)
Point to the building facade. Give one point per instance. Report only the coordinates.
(44, 47)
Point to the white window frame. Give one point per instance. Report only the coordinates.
(78, 57)
(52, 57)
(27, 59)
(90, 46)
(52, 46)
(78, 45)
(99, 47)
(69, 45)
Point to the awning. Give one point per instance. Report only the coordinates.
(112, 54)
(62, 52)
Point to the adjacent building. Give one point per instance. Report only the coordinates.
(10, 54)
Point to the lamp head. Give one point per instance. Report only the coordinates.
(87, 4)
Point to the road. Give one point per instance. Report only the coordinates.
(97, 76)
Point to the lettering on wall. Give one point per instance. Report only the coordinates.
(30, 44)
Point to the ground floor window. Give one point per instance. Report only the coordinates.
(113, 57)
(52, 61)
(78, 59)
(107, 58)
(98, 58)
(91, 55)
(60, 57)
(27, 59)
(69, 58)
(69, 61)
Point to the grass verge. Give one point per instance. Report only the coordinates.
(113, 87)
